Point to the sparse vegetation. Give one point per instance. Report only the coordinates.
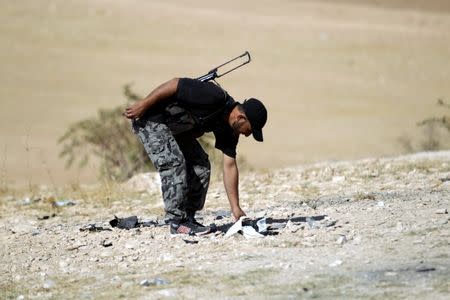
(109, 138)
(436, 133)
(437, 130)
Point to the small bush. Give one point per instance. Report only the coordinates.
(437, 130)
(436, 133)
(109, 138)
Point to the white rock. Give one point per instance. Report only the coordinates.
(337, 179)
(130, 245)
(167, 257)
(145, 182)
(48, 284)
(341, 240)
(63, 264)
(167, 293)
(336, 263)
(441, 211)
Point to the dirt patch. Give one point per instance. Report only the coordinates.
(392, 243)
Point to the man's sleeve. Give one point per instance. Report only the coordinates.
(194, 92)
(226, 143)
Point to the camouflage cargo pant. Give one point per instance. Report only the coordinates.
(182, 164)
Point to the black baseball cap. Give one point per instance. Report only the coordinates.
(257, 116)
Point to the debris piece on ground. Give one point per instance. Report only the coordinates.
(63, 203)
(75, 247)
(250, 233)
(125, 223)
(94, 228)
(311, 223)
(149, 223)
(330, 223)
(276, 226)
(442, 211)
(155, 281)
(444, 179)
(220, 214)
(262, 225)
(29, 200)
(46, 217)
(247, 230)
(336, 263)
(190, 241)
(341, 239)
(235, 228)
(133, 222)
(48, 284)
(425, 269)
(106, 243)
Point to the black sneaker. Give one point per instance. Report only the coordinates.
(189, 228)
(192, 220)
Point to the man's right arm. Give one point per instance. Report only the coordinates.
(164, 91)
(231, 183)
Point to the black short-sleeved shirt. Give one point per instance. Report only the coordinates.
(210, 105)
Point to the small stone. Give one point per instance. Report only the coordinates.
(106, 243)
(144, 282)
(105, 254)
(442, 222)
(380, 204)
(390, 274)
(167, 293)
(130, 245)
(330, 223)
(342, 239)
(48, 284)
(63, 264)
(336, 263)
(442, 211)
(167, 257)
(357, 240)
(155, 281)
(337, 179)
(20, 297)
(63, 203)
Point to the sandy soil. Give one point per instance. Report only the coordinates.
(342, 79)
(381, 231)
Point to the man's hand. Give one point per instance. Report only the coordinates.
(162, 92)
(135, 110)
(238, 213)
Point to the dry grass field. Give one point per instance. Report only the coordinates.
(341, 79)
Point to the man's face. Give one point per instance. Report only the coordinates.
(242, 126)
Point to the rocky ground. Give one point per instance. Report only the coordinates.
(372, 229)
